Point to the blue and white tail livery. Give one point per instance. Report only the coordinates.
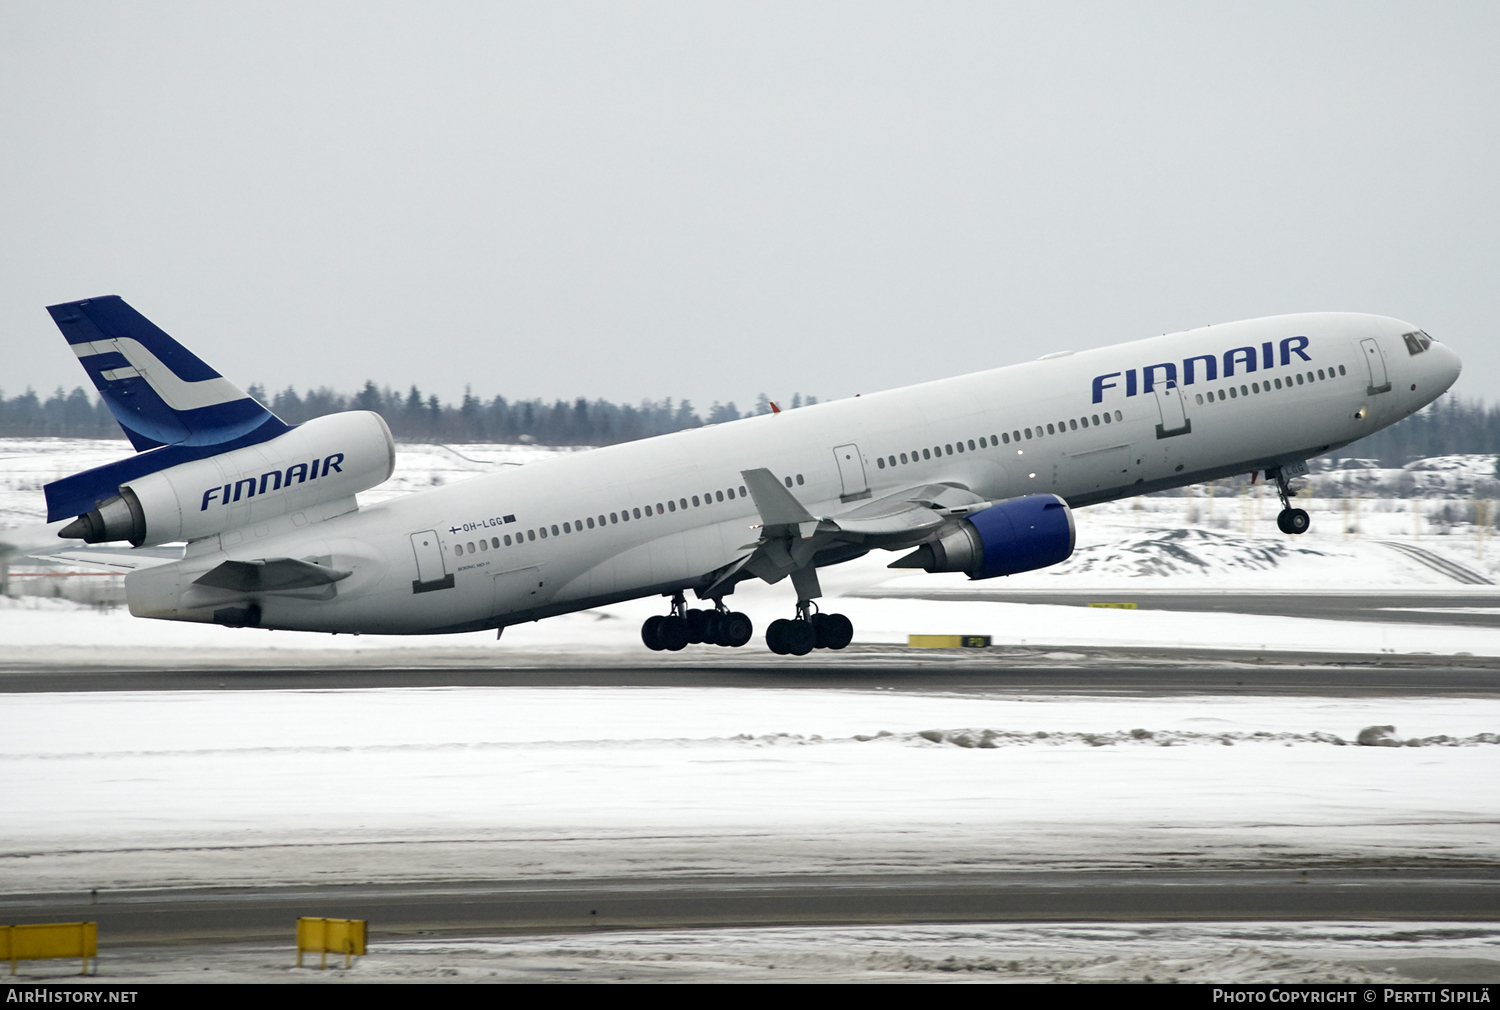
(977, 474)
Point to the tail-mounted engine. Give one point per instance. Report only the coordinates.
(1008, 537)
(327, 459)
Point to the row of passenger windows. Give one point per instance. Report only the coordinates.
(579, 525)
(1004, 438)
(1264, 386)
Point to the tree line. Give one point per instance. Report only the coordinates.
(412, 416)
(1450, 425)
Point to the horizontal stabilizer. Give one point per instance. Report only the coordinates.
(270, 575)
(113, 558)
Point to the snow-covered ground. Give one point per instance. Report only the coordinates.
(189, 788)
(1217, 953)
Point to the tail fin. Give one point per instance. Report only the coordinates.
(173, 406)
(159, 391)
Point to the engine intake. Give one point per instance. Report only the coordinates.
(1019, 535)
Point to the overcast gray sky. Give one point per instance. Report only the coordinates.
(713, 199)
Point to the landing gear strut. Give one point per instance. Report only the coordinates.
(683, 627)
(1288, 520)
(808, 631)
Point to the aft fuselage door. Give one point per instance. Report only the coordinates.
(432, 570)
(851, 472)
(1379, 381)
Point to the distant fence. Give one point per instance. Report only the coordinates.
(100, 589)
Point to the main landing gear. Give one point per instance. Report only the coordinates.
(810, 630)
(683, 627)
(1288, 520)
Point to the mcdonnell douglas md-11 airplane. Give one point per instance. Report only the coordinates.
(976, 474)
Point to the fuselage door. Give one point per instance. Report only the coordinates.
(517, 590)
(1174, 419)
(851, 472)
(1379, 381)
(431, 568)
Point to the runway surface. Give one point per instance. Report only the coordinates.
(996, 670)
(476, 908)
(1471, 609)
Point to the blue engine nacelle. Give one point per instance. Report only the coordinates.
(1008, 537)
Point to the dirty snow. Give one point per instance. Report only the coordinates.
(1217, 953)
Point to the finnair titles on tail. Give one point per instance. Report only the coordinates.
(976, 474)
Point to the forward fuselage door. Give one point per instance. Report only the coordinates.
(851, 472)
(1375, 361)
(1173, 409)
(432, 572)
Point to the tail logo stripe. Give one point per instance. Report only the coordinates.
(175, 392)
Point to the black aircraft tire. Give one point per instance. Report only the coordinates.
(816, 620)
(776, 635)
(713, 627)
(649, 633)
(697, 626)
(1293, 521)
(835, 631)
(672, 633)
(799, 637)
(737, 629)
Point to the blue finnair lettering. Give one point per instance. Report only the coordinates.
(1245, 355)
(1206, 366)
(274, 480)
(1288, 349)
(1099, 387)
(1150, 373)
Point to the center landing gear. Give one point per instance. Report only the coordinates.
(683, 627)
(810, 630)
(1288, 520)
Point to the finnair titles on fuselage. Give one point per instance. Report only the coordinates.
(976, 474)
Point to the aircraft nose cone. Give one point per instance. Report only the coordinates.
(1447, 365)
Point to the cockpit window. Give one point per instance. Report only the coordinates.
(1416, 342)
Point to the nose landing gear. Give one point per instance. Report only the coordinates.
(683, 627)
(1288, 520)
(808, 631)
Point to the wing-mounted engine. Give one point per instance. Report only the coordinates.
(1018, 535)
(328, 459)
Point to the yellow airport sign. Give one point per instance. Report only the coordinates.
(35, 941)
(1115, 606)
(330, 936)
(948, 641)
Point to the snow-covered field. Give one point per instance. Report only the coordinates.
(182, 788)
(1218, 953)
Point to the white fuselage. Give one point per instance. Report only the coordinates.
(660, 514)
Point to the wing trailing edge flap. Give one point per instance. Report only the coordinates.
(791, 536)
(901, 515)
(270, 575)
